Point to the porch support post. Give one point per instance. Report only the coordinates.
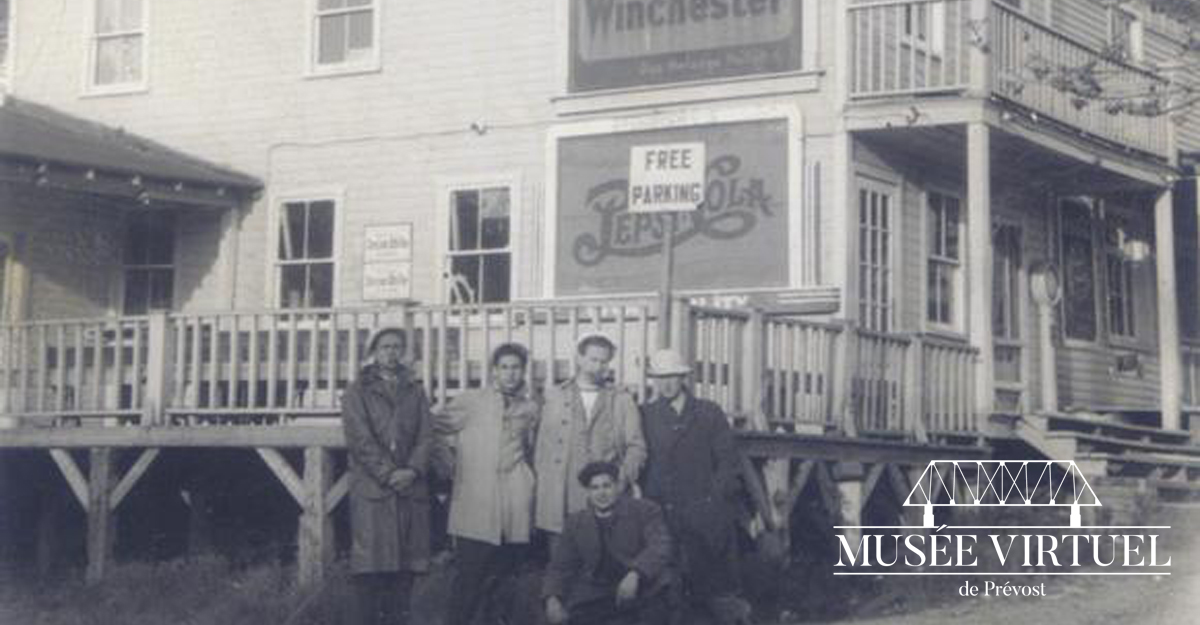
(851, 478)
(316, 525)
(979, 265)
(99, 515)
(1171, 362)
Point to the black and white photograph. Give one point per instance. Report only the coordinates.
(599, 312)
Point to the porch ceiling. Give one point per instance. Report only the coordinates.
(48, 148)
(1015, 160)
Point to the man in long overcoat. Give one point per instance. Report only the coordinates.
(389, 437)
(491, 508)
(584, 420)
(692, 473)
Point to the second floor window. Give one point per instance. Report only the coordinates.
(479, 256)
(118, 44)
(345, 34)
(1124, 34)
(944, 267)
(149, 262)
(305, 258)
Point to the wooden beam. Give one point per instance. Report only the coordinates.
(70, 471)
(316, 527)
(979, 262)
(828, 488)
(803, 447)
(871, 481)
(1170, 357)
(899, 483)
(293, 436)
(99, 545)
(131, 477)
(801, 479)
(337, 492)
(758, 492)
(282, 470)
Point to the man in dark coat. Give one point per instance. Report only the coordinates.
(691, 471)
(389, 437)
(610, 564)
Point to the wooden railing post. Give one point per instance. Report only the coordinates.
(681, 328)
(914, 387)
(845, 403)
(752, 368)
(158, 371)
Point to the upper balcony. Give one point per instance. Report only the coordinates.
(921, 48)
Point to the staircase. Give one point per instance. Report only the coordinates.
(1123, 458)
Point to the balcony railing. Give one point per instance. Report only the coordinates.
(266, 368)
(908, 48)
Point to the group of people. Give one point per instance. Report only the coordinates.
(636, 504)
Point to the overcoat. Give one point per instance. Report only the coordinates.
(493, 474)
(566, 442)
(388, 427)
(693, 465)
(640, 541)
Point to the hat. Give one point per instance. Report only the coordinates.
(667, 362)
(597, 338)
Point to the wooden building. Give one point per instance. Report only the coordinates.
(922, 235)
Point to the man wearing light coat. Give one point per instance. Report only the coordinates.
(584, 420)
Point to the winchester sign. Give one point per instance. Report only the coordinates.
(735, 237)
(624, 43)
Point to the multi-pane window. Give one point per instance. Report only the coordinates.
(118, 43)
(1119, 269)
(1078, 269)
(149, 262)
(479, 255)
(924, 26)
(345, 33)
(1124, 34)
(875, 301)
(944, 262)
(306, 254)
(1006, 282)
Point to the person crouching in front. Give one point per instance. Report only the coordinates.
(610, 564)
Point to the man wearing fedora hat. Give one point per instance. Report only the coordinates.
(584, 420)
(692, 472)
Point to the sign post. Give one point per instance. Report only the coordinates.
(666, 179)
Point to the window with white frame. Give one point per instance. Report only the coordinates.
(149, 262)
(479, 252)
(305, 260)
(1124, 33)
(1119, 274)
(345, 35)
(117, 54)
(925, 26)
(876, 304)
(943, 283)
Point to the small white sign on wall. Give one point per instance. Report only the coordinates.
(387, 281)
(388, 243)
(666, 177)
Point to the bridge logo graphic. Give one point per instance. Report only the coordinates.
(979, 483)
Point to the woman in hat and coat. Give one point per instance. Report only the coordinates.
(389, 437)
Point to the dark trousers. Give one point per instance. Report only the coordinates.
(652, 610)
(381, 598)
(478, 563)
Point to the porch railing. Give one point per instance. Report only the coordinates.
(908, 48)
(276, 366)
